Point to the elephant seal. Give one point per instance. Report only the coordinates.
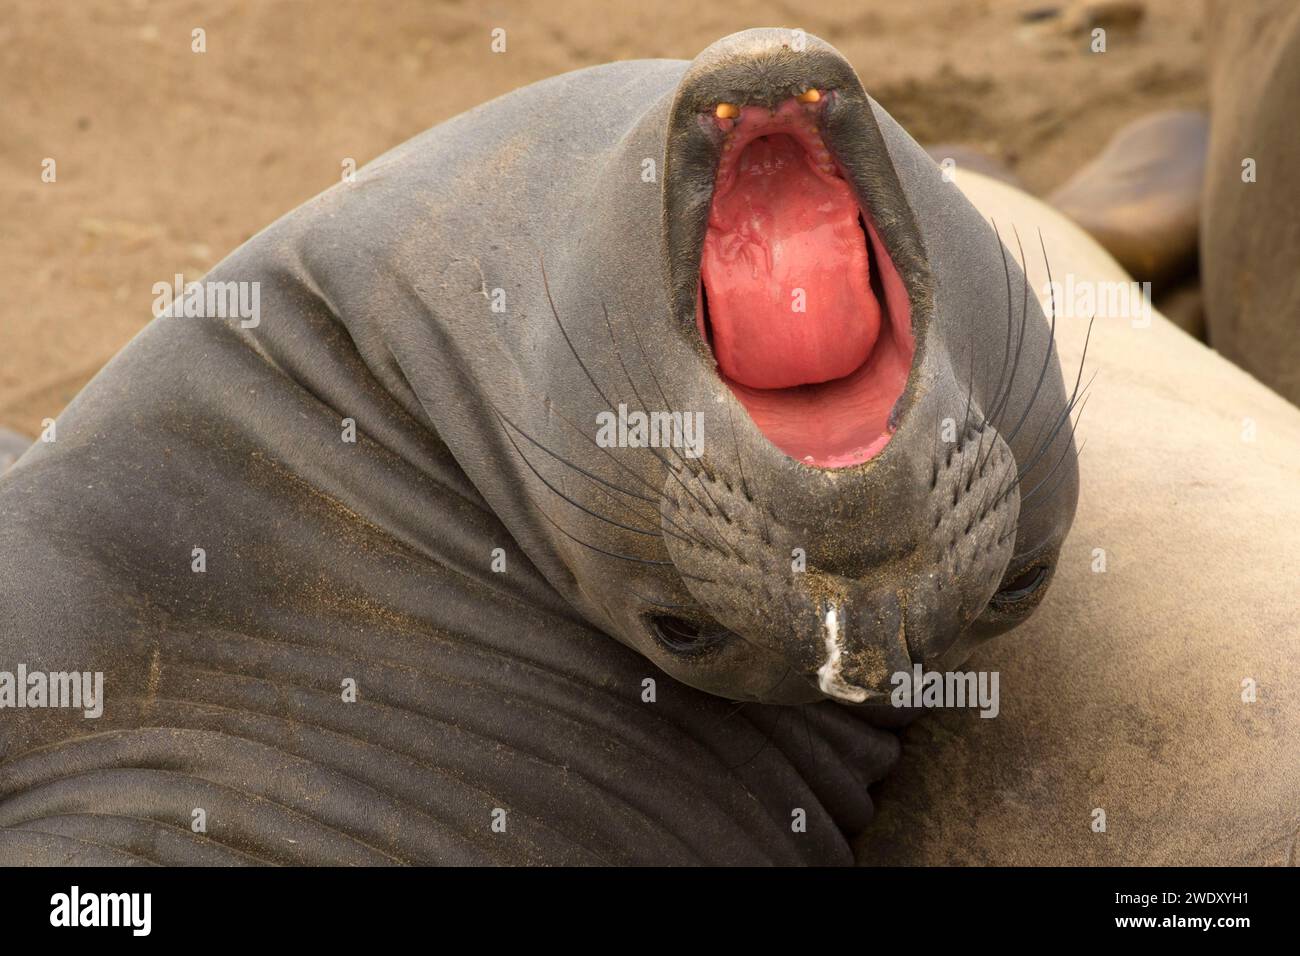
(387, 569)
(1248, 267)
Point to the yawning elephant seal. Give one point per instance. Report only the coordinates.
(372, 574)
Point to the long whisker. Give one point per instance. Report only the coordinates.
(546, 285)
(614, 458)
(671, 470)
(1048, 476)
(1024, 320)
(555, 314)
(645, 358)
(578, 468)
(1073, 396)
(1047, 443)
(767, 742)
(1019, 477)
(1003, 403)
(660, 603)
(1057, 483)
(1006, 353)
(611, 554)
(1051, 345)
(577, 504)
(744, 485)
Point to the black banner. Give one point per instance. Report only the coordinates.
(925, 906)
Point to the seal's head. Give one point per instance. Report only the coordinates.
(887, 467)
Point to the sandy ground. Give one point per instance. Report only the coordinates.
(166, 159)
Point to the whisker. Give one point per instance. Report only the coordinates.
(744, 485)
(767, 742)
(1048, 476)
(546, 285)
(565, 461)
(1051, 345)
(614, 458)
(663, 461)
(1070, 405)
(681, 533)
(555, 314)
(1003, 402)
(1074, 398)
(611, 554)
(671, 470)
(1047, 443)
(645, 358)
(576, 504)
(660, 603)
(1006, 354)
(1060, 478)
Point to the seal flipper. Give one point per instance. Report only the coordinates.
(1141, 197)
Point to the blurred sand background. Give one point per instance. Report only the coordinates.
(168, 159)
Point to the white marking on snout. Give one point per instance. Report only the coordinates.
(829, 679)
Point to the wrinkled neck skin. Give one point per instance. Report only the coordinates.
(779, 581)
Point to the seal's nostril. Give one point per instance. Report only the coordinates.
(687, 637)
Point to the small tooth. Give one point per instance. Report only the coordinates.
(726, 111)
(809, 96)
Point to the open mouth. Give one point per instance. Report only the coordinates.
(807, 317)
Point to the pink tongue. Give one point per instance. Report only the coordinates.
(786, 272)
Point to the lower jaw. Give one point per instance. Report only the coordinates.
(834, 424)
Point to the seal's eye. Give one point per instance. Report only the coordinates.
(687, 637)
(1022, 586)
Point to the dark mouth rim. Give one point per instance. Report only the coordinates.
(693, 152)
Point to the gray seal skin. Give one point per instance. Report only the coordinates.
(514, 695)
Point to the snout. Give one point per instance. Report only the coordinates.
(849, 598)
